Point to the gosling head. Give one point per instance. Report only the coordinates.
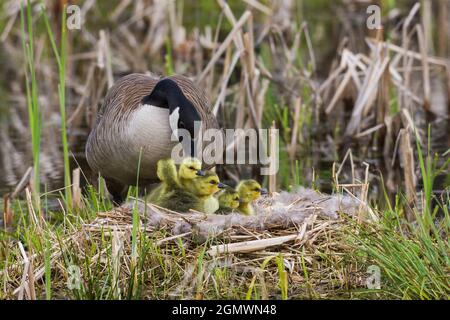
(228, 198)
(208, 184)
(190, 168)
(249, 190)
(165, 169)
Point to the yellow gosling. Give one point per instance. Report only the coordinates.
(228, 200)
(249, 191)
(190, 168)
(204, 187)
(173, 195)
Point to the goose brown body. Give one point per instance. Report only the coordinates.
(126, 129)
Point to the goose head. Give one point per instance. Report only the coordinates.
(183, 115)
(190, 168)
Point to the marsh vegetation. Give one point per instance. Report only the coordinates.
(360, 112)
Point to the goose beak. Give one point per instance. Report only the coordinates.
(200, 173)
(222, 185)
(264, 192)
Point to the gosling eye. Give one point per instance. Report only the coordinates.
(257, 190)
(192, 168)
(213, 182)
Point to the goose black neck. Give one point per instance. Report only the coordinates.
(167, 94)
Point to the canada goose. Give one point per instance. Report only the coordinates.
(190, 168)
(228, 200)
(204, 187)
(249, 191)
(137, 119)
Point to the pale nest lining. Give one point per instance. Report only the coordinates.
(281, 211)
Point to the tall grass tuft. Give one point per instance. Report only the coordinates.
(135, 236)
(413, 257)
(47, 270)
(61, 62)
(283, 277)
(414, 266)
(34, 115)
(32, 93)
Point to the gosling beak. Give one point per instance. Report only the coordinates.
(264, 192)
(222, 185)
(200, 173)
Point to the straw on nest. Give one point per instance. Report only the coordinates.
(302, 230)
(305, 229)
(282, 213)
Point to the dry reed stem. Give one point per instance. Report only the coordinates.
(249, 246)
(36, 220)
(339, 92)
(76, 190)
(367, 94)
(224, 83)
(294, 137)
(273, 147)
(411, 54)
(25, 181)
(23, 283)
(261, 7)
(407, 157)
(426, 69)
(7, 212)
(226, 42)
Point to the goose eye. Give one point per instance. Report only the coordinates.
(181, 124)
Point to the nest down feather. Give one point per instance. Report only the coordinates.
(281, 211)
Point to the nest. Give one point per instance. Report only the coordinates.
(302, 232)
(283, 217)
(298, 236)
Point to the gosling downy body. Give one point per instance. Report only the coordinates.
(228, 200)
(173, 195)
(249, 191)
(137, 120)
(190, 168)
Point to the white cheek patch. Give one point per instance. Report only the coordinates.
(173, 121)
